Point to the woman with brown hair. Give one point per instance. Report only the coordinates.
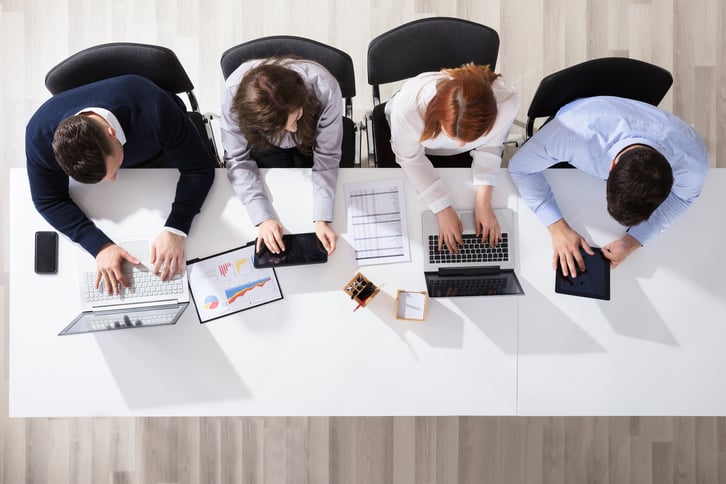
(467, 109)
(282, 113)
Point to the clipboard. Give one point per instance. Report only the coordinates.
(228, 282)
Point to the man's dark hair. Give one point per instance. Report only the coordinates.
(638, 183)
(81, 146)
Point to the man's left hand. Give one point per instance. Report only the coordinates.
(617, 250)
(167, 255)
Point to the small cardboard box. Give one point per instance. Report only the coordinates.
(411, 305)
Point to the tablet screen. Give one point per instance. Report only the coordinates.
(299, 249)
(593, 283)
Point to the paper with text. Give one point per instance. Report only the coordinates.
(377, 222)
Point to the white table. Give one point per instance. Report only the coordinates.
(308, 354)
(657, 348)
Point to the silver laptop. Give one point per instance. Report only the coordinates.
(148, 301)
(478, 269)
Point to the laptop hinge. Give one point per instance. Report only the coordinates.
(469, 271)
(137, 305)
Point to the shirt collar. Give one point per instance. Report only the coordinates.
(620, 145)
(110, 118)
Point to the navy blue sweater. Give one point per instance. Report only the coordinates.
(153, 122)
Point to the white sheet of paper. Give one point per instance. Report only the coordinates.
(377, 222)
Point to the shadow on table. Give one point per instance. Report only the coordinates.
(170, 365)
(443, 328)
(550, 331)
(494, 316)
(631, 312)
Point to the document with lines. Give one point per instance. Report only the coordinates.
(377, 222)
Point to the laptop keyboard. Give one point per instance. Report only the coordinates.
(472, 251)
(141, 284)
(470, 286)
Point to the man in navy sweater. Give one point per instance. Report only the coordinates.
(90, 132)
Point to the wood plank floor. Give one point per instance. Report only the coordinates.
(354, 450)
(687, 37)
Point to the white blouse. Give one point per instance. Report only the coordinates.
(405, 112)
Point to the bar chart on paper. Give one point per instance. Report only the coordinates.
(377, 222)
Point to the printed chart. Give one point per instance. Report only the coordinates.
(377, 222)
(227, 283)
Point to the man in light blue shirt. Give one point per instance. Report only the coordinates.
(654, 164)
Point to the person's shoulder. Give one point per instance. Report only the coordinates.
(130, 82)
(236, 75)
(504, 92)
(313, 71)
(320, 80)
(418, 91)
(425, 79)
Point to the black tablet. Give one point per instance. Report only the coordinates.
(299, 249)
(593, 283)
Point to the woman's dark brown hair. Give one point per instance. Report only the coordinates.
(464, 104)
(266, 96)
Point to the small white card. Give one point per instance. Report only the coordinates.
(411, 305)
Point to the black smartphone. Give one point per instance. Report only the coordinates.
(46, 252)
(299, 249)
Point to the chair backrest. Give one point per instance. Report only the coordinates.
(427, 45)
(158, 64)
(608, 76)
(337, 62)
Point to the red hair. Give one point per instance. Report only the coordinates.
(464, 104)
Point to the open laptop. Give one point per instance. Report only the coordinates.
(478, 269)
(148, 301)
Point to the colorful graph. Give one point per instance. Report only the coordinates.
(235, 293)
(224, 268)
(239, 263)
(211, 302)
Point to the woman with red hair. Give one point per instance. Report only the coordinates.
(467, 109)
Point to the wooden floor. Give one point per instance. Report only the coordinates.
(687, 37)
(420, 450)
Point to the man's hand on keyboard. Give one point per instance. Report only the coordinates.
(487, 225)
(617, 250)
(167, 255)
(108, 265)
(450, 229)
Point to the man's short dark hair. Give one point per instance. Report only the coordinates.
(81, 147)
(638, 183)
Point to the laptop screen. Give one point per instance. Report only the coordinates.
(88, 322)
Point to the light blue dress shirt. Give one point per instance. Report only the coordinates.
(588, 133)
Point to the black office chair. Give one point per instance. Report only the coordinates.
(425, 45)
(608, 76)
(337, 62)
(156, 63)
